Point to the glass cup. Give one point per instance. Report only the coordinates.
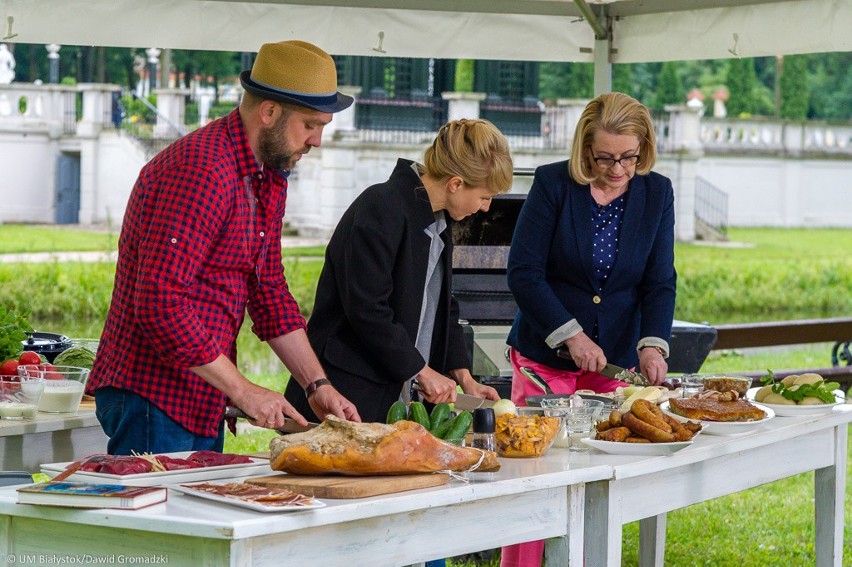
(690, 385)
(577, 420)
(19, 396)
(63, 386)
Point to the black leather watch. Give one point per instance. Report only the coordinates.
(313, 386)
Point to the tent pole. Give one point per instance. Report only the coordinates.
(603, 44)
(603, 68)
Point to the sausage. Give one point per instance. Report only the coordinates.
(603, 425)
(634, 439)
(646, 430)
(615, 418)
(617, 434)
(642, 410)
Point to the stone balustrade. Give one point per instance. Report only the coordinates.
(725, 135)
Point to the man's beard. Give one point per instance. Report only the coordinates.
(273, 148)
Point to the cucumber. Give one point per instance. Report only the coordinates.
(459, 427)
(440, 414)
(441, 431)
(417, 412)
(397, 412)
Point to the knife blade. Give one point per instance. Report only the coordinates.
(623, 375)
(612, 371)
(465, 402)
(290, 425)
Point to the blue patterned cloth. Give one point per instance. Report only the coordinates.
(606, 222)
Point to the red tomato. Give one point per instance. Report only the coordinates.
(29, 357)
(9, 368)
(50, 373)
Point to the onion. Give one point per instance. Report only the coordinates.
(503, 407)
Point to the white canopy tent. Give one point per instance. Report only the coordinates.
(599, 31)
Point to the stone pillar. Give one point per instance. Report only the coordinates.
(153, 60)
(97, 107)
(685, 126)
(53, 58)
(171, 107)
(463, 105)
(565, 121)
(343, 124)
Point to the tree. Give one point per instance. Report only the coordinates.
(464, 76)
(669, 88)
(553, 80)
(794, 88)
(623, 82)
(741, 80)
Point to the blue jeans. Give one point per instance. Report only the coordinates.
(132, 423)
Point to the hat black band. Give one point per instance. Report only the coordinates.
(334, 102)
(329, 98)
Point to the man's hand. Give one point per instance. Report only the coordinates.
(326, 400)
(265, 408)
(585, 353)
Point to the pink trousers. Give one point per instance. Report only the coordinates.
(530, 554)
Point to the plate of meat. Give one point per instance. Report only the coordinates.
(252, 496)
(624, 448)
(154, 470)
(720, 418)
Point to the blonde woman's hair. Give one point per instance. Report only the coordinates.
(474, 150)
(615, 113)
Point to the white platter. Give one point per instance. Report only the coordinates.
(796, 410)
(256, 467)
(233, 501)
(616, 448)
(724, 427)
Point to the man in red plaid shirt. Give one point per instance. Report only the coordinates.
(201, 243)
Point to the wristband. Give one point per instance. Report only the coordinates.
(656, 348)
(313, 386)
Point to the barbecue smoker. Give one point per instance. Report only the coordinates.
(487, 308)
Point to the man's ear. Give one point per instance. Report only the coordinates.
(267, 110)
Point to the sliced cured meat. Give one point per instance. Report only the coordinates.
(115, 464)
(214, 459)
(172, 464)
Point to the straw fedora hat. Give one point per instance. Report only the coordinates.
(296, 72)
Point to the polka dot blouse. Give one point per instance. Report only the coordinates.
(606, 223)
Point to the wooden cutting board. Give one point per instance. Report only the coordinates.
(350, 486)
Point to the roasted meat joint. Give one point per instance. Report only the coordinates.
(360, 449)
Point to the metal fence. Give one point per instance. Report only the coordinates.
(711, 205)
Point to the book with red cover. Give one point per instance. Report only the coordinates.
(88, 495)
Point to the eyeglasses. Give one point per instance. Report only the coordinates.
(606, 163)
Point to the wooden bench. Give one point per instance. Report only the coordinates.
(776, 333)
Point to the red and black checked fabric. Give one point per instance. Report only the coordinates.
(200, 243)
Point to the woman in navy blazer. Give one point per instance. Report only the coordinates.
(370, 327)
(591, 264)
(592, 259)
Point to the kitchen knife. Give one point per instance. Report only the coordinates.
(290, 425)
(612, 371)
(465, 402)
(623, 375)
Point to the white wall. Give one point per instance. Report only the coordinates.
(27, 176)
(770, 191)
(119, 160)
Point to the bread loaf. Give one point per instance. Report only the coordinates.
(343, 447)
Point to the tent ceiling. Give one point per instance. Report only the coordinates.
(534, 30)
